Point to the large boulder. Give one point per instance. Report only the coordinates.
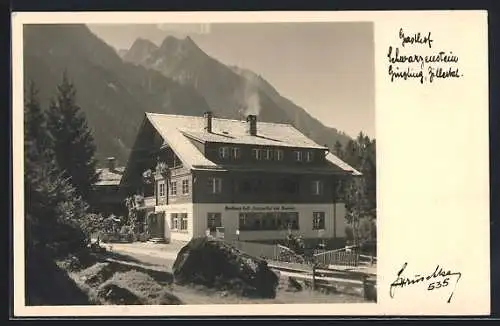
(217, 264)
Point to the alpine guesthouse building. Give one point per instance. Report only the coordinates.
(245, 180)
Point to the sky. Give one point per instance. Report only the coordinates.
(326, 68)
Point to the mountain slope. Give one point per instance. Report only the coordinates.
(224, 91)
(302, 120)
(140, 50)
(113, 94)
(230, 91)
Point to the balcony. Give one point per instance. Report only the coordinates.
(149, 201)
(141, 202)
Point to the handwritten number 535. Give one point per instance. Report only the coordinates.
(438, 284)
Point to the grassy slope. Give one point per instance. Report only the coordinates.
(140, 279)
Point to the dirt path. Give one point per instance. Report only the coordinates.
(161, 251)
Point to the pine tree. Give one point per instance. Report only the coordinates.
(36, 139)
(351, 153)
(337, 149)
(360, 192)
(50, 204)
(72, 140)
(370, 176)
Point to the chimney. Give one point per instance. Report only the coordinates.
(111, 163)
(208, 121)
(252, 125)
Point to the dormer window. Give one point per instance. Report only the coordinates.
(257, 154)
(309, 156)
(268, 154)
(278, 154)
(224, 152)
(235, 153)
(298, 156)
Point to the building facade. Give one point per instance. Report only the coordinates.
(249, 180)
(106, 197)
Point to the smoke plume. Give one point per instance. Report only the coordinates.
(251, 97)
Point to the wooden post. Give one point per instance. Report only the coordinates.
(365, 287)
(314, 277)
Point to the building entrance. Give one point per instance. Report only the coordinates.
(156, 225)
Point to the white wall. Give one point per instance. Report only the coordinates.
(177, 208)
(197, 221)
(230, 220)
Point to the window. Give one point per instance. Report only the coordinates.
(257, 153)
(161, 189)
(309, 156)
(268, 221)
(318, 220)
(184, 221)
(174, 221)
(185, 186)
(317, 187)
(173, 188)
(224, 152)
(235, 152)
(298, 156)
(268, 154)
(214, 221)
(215, 185)
(178, 221)
(278, 154)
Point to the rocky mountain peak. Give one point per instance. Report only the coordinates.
(140, 49)
(172, 45)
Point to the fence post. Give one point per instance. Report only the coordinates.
(314, 277)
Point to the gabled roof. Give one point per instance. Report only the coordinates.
(269, 134)
(177, 130)
(109, 177)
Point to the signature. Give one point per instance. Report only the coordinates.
(440, 278)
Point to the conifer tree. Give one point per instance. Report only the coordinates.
(337, 149)
(51, 206)
(360, 192)
(71, 138)
(36, 138)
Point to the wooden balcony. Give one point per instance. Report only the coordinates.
(149, 201)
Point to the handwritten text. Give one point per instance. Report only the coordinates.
(406, 62)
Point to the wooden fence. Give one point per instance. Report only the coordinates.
(317, 272)
(363, 283)
(341, 257)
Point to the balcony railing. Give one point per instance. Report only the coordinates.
(149, 201)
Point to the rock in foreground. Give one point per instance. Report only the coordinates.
(217, 264)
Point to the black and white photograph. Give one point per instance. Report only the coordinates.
(199, 163)
(250, 164)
